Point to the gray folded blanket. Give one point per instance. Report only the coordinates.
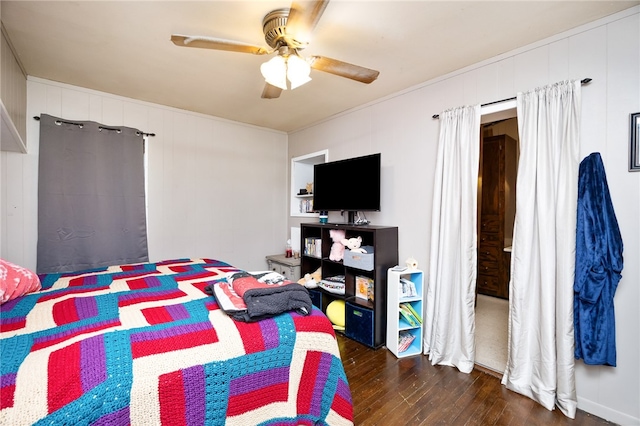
(263, 294)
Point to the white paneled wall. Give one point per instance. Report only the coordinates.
(215, 188)
(219, 189)
(13, 87)
(401, 128)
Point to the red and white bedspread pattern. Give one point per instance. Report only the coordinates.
(145, 345)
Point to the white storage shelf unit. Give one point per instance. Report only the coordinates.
(396, 324)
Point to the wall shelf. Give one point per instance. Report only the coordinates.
(301, 205)
(10, 137)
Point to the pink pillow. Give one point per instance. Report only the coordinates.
(16, 281)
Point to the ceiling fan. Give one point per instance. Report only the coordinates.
(286, 31)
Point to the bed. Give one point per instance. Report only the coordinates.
(145, 344)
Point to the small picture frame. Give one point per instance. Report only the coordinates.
(634, 142)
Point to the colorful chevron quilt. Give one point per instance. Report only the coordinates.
(145, 345)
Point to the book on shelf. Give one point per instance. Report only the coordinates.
(408, 318)
(415, 313)
(313, 247)
(410, 315)
(364, 288)
(407, 288)
(404, 340)
(306, 206)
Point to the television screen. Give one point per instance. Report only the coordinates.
(352, 184)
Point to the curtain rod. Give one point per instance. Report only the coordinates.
(100, 128)
(582, 82)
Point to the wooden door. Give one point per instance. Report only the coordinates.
(493, 261)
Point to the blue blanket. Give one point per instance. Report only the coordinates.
(598, 266)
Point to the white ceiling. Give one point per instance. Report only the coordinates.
(123, 47)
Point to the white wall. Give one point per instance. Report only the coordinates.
(216, 188)
(401, 128)
(219, 189)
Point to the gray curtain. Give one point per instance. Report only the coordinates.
(91, 198)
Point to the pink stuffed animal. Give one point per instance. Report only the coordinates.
(337, 249)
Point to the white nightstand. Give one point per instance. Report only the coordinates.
(289, 267)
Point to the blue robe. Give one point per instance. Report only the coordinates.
(598, 266)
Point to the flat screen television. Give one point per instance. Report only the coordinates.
(350, 185)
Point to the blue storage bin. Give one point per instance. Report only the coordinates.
(316, 298)
(359, 324)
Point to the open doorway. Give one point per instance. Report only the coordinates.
(496, 214)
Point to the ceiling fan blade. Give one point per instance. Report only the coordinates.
(217, 44)
(271, 92)
(303, 18)
(343, 69)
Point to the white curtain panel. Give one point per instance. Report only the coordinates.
(450, 314)
(540, 361)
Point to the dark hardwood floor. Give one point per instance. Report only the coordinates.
(410, 391)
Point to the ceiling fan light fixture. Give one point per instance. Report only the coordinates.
(286, 31)
(297, 71)
(274, 72)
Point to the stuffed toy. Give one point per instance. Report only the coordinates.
(311, 280)
(337, 249)
(353, 244)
